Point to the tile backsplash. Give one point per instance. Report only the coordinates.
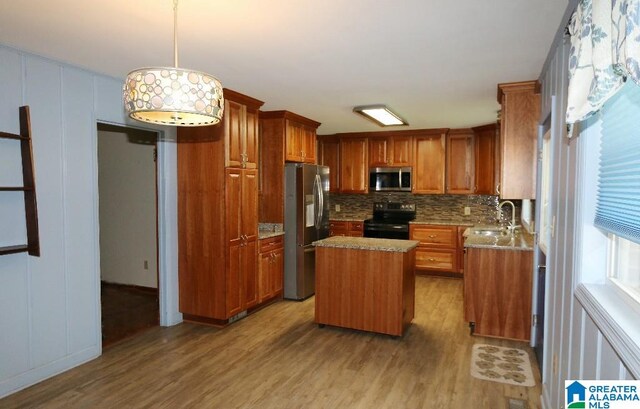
(428, 207)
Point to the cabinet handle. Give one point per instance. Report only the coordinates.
(432, 236)
(432, 259)
(498, 188)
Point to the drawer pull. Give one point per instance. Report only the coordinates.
(432, 236)
(432, 259)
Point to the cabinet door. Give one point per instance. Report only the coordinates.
(233, 196)
(309, 145)
(329, 151)
(353, 165)
(428, 164)
(378, 152)
(235, 126)
(518, 139)
(293, 142)
(401, 148)
(249, 228)
(460, 162)
(485, 160)
(264, 276)
(251, 140)
(277, 272)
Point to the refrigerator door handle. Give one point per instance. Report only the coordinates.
(321, 194)
(317, 195)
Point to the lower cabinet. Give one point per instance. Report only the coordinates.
(497, 292)
(271, 268)
(346, 228)
(439, 250)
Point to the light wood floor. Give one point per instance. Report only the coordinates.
(277, 358)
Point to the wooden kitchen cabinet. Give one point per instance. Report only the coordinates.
(497, 292)
(461, 230)
(286, 137)
(240, 121)
(329, 155)
(460, 162)
(429, 163)
(390, 151)
(438, 248)
(217, 224)
(271, 270)
(520, 102)
(486, 159)
(346, 228)
(354, 170)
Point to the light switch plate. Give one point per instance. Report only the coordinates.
(467, 210)
(337, 208)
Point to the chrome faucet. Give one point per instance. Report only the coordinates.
(512, 224)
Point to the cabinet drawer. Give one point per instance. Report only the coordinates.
(355, 226)
(338, 228)
(435, 236)
(271, 243)
(429, 259)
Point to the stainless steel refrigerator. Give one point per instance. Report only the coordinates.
(306, 219)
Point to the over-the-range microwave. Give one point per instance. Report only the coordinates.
(390, 179)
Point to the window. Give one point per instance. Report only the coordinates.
(624, 265)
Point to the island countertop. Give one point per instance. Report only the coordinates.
(365, 243)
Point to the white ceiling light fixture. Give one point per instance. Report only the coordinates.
(172, 95)
(381, 115)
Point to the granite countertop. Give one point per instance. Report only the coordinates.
(362, 243)
(263, 234)
(519, 240)
(349, 219)
(441, 221)
(267, 230)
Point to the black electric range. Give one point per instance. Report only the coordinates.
(390, 220)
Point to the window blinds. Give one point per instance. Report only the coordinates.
(618, 203)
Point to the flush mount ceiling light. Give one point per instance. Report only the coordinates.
(381, 115)
(172, 95)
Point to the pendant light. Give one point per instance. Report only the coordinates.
(172, 95)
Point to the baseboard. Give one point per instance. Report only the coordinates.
(39, 374)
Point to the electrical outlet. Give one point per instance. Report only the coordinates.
(146, 264)
(467, 210)
(337, 208)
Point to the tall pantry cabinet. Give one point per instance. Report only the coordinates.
(218, 213)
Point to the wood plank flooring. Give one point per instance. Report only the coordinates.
(278, 358)
(126, 311)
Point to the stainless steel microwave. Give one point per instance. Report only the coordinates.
(390, 179)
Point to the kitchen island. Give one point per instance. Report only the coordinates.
(365, 284)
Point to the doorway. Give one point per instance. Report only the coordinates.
(127, 176)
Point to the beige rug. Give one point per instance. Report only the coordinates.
(499, 364)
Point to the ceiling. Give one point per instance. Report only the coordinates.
(435, 62)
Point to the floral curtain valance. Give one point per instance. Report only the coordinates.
(605, 51)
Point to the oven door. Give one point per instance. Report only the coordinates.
(386, 230)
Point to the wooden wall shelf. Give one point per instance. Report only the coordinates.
(28, 188)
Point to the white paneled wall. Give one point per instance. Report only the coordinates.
(50, 306)
(575, 348)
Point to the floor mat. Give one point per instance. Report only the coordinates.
(499, 364)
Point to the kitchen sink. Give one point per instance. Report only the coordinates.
(489, 232)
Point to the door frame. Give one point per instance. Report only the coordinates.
(166, 214)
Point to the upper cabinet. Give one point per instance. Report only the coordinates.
(486, 159)
(329, 155)
(520, 103)
(285, 137)
(390, 151)
(429, 163)
(240, 122)
(460, 162)
(354, 172)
